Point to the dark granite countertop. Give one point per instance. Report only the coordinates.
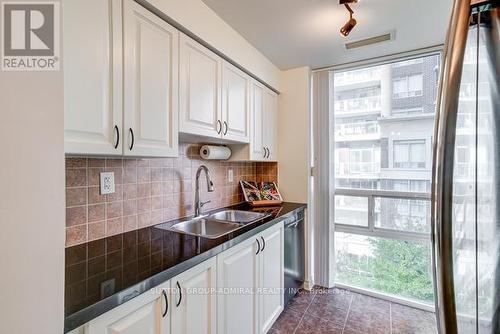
(105, 273)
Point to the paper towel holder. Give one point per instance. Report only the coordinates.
(215, 152)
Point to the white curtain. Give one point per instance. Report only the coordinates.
(323, 248)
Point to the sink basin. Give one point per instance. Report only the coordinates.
(205, 227)
(237, 216)
(218, 224)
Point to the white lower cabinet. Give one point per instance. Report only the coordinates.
(271, 301)
(149, 313)
(194, 300)
(238, 281)
(248, 279)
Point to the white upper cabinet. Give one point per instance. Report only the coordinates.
(270, 132)
(235, 104)
(193, 300)
(200, 89)
(257, 121)
(263, 126)
(150, 84)
(92, 76)
(149, 313)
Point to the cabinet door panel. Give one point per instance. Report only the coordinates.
(151, 67)
(92, 79)
(271, 275)
(271, 124)
(200, 89)
(196, 313)
(235, 104)
(237, 277)
(257, 121)
(141, 315)
(143, 320)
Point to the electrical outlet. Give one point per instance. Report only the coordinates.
(230, 175)
(107, 183)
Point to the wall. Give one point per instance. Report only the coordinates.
(294, 134)
(31, 202)
(202, 21)
(148, 191)
(294, 141)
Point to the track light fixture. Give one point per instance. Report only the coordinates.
(346, 29)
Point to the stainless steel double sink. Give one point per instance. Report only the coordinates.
(217, 224)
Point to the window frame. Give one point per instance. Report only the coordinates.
(409, 143)
(407, 92)
(371, 230)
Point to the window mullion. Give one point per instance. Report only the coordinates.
(371, 213)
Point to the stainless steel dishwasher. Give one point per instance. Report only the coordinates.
(294, 255)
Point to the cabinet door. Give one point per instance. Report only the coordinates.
(92, 76)
(200, 89)
(271, 124)
(194, 305)
(235, 104)
(150, 84)
(271, 277)
(237, 279)
(145, 314)
(257, 121)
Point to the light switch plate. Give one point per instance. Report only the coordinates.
(107, 183)
(230, 175)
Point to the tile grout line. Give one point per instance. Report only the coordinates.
(347, 314)
(304, 313)
(390, 317)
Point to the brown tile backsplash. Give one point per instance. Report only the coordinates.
(147, 191)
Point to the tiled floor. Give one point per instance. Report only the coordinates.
(337, 311)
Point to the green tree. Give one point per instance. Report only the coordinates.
(402, 268)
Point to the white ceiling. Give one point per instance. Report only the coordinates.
(293, 33)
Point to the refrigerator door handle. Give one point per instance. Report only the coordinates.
(442, 170)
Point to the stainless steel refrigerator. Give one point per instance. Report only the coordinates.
(466, 173)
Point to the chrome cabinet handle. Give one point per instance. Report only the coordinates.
(263, 243)
(225, 125)
(180, 294)
(264, 153)
(117, 131)
(268, 152)
(258, 246)
(219, 127)
(133, 139)
(442, 170)
(166, 303)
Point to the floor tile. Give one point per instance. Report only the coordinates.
(287, 322)
(407, 320)
(301, 301)
(368, 315)
(311, 324)
(338, 311)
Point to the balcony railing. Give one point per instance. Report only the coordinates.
(389, 214)
(353, 77)
(352, 130)
(345, 169)
(358, 105)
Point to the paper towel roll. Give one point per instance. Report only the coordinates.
(210, 152)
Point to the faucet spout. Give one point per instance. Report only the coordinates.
(210, 188)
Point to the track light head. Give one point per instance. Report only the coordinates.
(346, 29)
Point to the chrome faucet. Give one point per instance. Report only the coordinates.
(210, 188)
